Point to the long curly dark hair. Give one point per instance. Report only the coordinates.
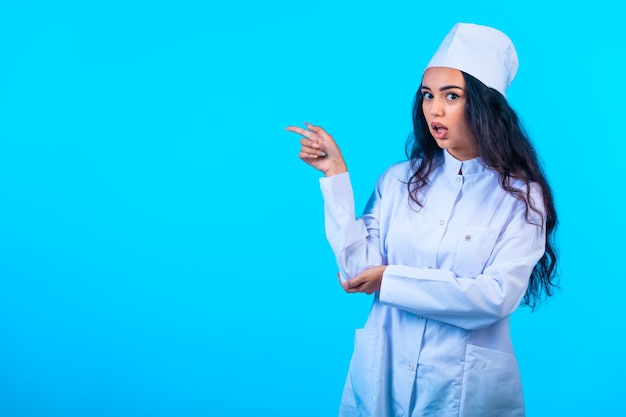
(503, 146)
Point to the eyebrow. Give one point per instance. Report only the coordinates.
(444, 88)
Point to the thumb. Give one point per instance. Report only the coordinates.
(319, 130)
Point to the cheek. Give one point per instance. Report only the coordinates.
(459, 117)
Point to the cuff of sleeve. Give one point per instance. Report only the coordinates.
(338, 199)
(400, 284)
(336, 187)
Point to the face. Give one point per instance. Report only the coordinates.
(444, 99)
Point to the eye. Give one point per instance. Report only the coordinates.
(452, 96)
(426, 95)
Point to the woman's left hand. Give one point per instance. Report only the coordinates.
(367, 281)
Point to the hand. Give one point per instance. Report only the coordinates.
(367, 281)
(319, 150)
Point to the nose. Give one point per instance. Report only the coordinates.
(436, 107)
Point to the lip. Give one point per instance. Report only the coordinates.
(438, 130)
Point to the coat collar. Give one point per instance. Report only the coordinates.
(453, 166)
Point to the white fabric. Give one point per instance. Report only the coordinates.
(481, 51)
(436, 342)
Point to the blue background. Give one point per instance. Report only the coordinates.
(161, 245)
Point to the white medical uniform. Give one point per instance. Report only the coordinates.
(437, 340)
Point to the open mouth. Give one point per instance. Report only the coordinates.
(439, 130)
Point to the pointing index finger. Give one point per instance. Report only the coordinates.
(304, 132)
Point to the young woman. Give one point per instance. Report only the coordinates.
(451, 242)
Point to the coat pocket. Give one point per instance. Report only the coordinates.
(474, 246)
(367, 384)
(491, 384)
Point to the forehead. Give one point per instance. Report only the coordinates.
(435, 77)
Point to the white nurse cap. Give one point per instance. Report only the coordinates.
(481, 51)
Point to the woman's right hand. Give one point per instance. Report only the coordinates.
(320, 150)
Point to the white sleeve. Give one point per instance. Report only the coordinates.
(354, 241)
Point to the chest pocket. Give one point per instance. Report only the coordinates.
(473, 248)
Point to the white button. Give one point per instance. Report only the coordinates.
(458, 179)
(441, 222)
(411, 368)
